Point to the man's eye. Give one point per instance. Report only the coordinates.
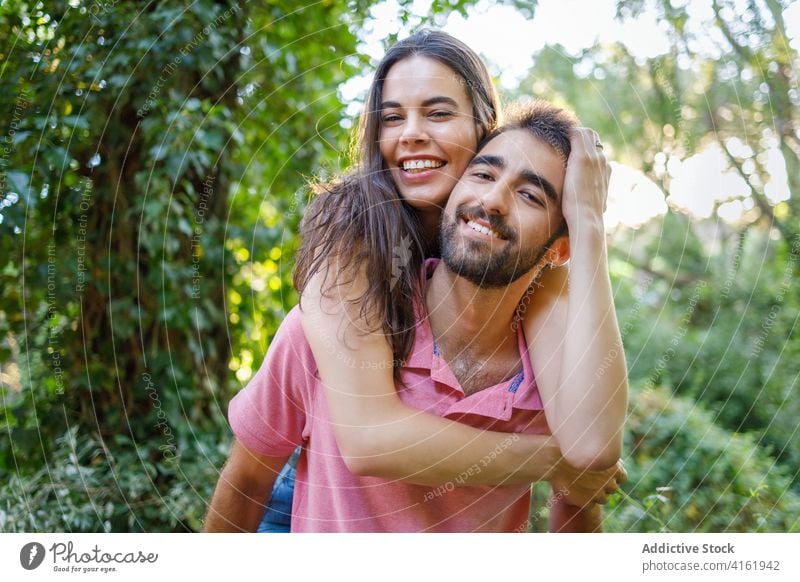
(482, 175)
(531, 197)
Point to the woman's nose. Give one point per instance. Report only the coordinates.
(414, 130)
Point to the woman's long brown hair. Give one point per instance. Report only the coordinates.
(359, 225)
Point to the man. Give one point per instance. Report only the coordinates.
(502, 226)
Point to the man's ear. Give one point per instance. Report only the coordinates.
(558, 253)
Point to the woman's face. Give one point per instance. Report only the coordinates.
(427, 130)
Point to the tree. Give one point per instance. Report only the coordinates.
(127, 207)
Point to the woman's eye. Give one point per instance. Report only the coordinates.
(441, 114)
(390, 117)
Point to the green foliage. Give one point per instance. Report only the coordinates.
(718, 327)
(84, 487)
(149, 206)
(739, 95)
(153, 161)
(705, 306)
(688, 475)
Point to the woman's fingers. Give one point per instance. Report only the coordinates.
(588, 170)
(622, 474)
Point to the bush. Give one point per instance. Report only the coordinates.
(688, 475)
(86, 488)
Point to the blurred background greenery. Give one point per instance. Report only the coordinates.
(153, 167)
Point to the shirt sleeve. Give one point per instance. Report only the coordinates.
(270, 415)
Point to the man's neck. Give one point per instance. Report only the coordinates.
(473, 327)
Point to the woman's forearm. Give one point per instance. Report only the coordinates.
(585, 388)
(592, 400)
(380, 436)
(576, 350)
(400, 442)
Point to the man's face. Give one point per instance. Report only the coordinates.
(504, 211)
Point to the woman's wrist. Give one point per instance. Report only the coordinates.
(586, 224)
(540, 457)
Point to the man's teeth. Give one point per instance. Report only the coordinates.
(482, 229)
(421, 164)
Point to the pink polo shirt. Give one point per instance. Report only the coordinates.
(284, 406)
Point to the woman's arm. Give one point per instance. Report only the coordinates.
(379, 435)
(571, 325)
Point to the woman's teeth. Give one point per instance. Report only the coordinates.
(482, 229)
(416, 166)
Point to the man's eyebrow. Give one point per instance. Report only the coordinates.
(437, 100)
(527, 175)
(542, 182)
(494, 161)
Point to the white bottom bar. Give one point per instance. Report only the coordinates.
(401, 558)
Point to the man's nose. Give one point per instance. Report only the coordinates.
(414, 130)
(495, 199)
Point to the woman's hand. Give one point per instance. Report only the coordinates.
(586, 181)
(582, 488)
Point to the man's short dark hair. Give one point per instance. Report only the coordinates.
(545, 121)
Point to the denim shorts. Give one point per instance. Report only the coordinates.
(278, 516)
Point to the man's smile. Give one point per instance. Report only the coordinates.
(482, 229)
(492, 227)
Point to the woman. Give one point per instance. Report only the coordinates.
(364, 242)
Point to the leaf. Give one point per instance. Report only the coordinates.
(19, 184)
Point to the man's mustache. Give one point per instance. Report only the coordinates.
(497, 224)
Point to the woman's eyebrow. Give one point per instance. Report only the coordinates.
(438, 100)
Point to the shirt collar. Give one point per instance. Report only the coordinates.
(520, 391)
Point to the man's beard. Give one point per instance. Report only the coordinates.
(476, 263)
